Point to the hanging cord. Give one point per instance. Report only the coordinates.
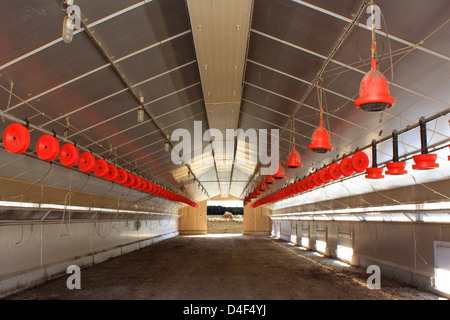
(33, 184)
(9, 101)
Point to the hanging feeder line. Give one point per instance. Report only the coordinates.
(424, 148)
(27, 124)
(341, 40)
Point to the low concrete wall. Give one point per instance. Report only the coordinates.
(31, 253)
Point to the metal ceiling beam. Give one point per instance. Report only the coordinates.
(93, 24)
(382, 33)
(128, 86)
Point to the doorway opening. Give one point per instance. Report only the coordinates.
(225, 216)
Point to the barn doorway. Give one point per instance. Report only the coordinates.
(225, 217)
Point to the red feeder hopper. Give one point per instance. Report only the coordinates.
(280, 172)
(16, 138)
(47, 147)
(346, 167)
(335, 171)
(86, 162)
(325, 175)
(360, 161)
(293, 160)
(101, 168)
(69, 155)
(121, 176)
(374, 91)
(112, 173)
(320, 141)
(424, 161)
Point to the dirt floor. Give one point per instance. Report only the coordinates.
(217, 224)
(220, 267)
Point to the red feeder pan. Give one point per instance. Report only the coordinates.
(374, 91)
(335, 171)
(86, 162)
(47, 147)
(325, 175)
(320, 141)
(305, 184)
(101, 168)
(360, 161)
(151, 188)
(137, 182)
(280, 172)
(396, 168)
(374, 173)
(16, 138)
(130, 180)
(112, 173)
(316, 178)
(299, 187)
(293, 160)
(346, 167)
(425, 161)
(121, 176)
(269, 180)
(143, 185)
(310, 181)
(68, 155)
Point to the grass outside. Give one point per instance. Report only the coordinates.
(216, 224)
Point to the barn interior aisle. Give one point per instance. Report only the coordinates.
(217, 267)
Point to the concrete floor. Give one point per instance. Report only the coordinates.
(217, 268)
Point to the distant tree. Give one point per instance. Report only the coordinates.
(220, 210)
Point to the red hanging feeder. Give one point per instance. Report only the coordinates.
(320, 141)
(262, 186)
(280, 172)
(269, 180)
(374, 89)
(325, 175)
(68, 155)
(360, 161)
(121, 176)
(256, 191)
(346, 167)
(112, 173)
(293, 160)
(395, 167)
(47, 147)
(335, 171)
(86, 162)
(374, 172)
(16, 138)
(424, 161)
